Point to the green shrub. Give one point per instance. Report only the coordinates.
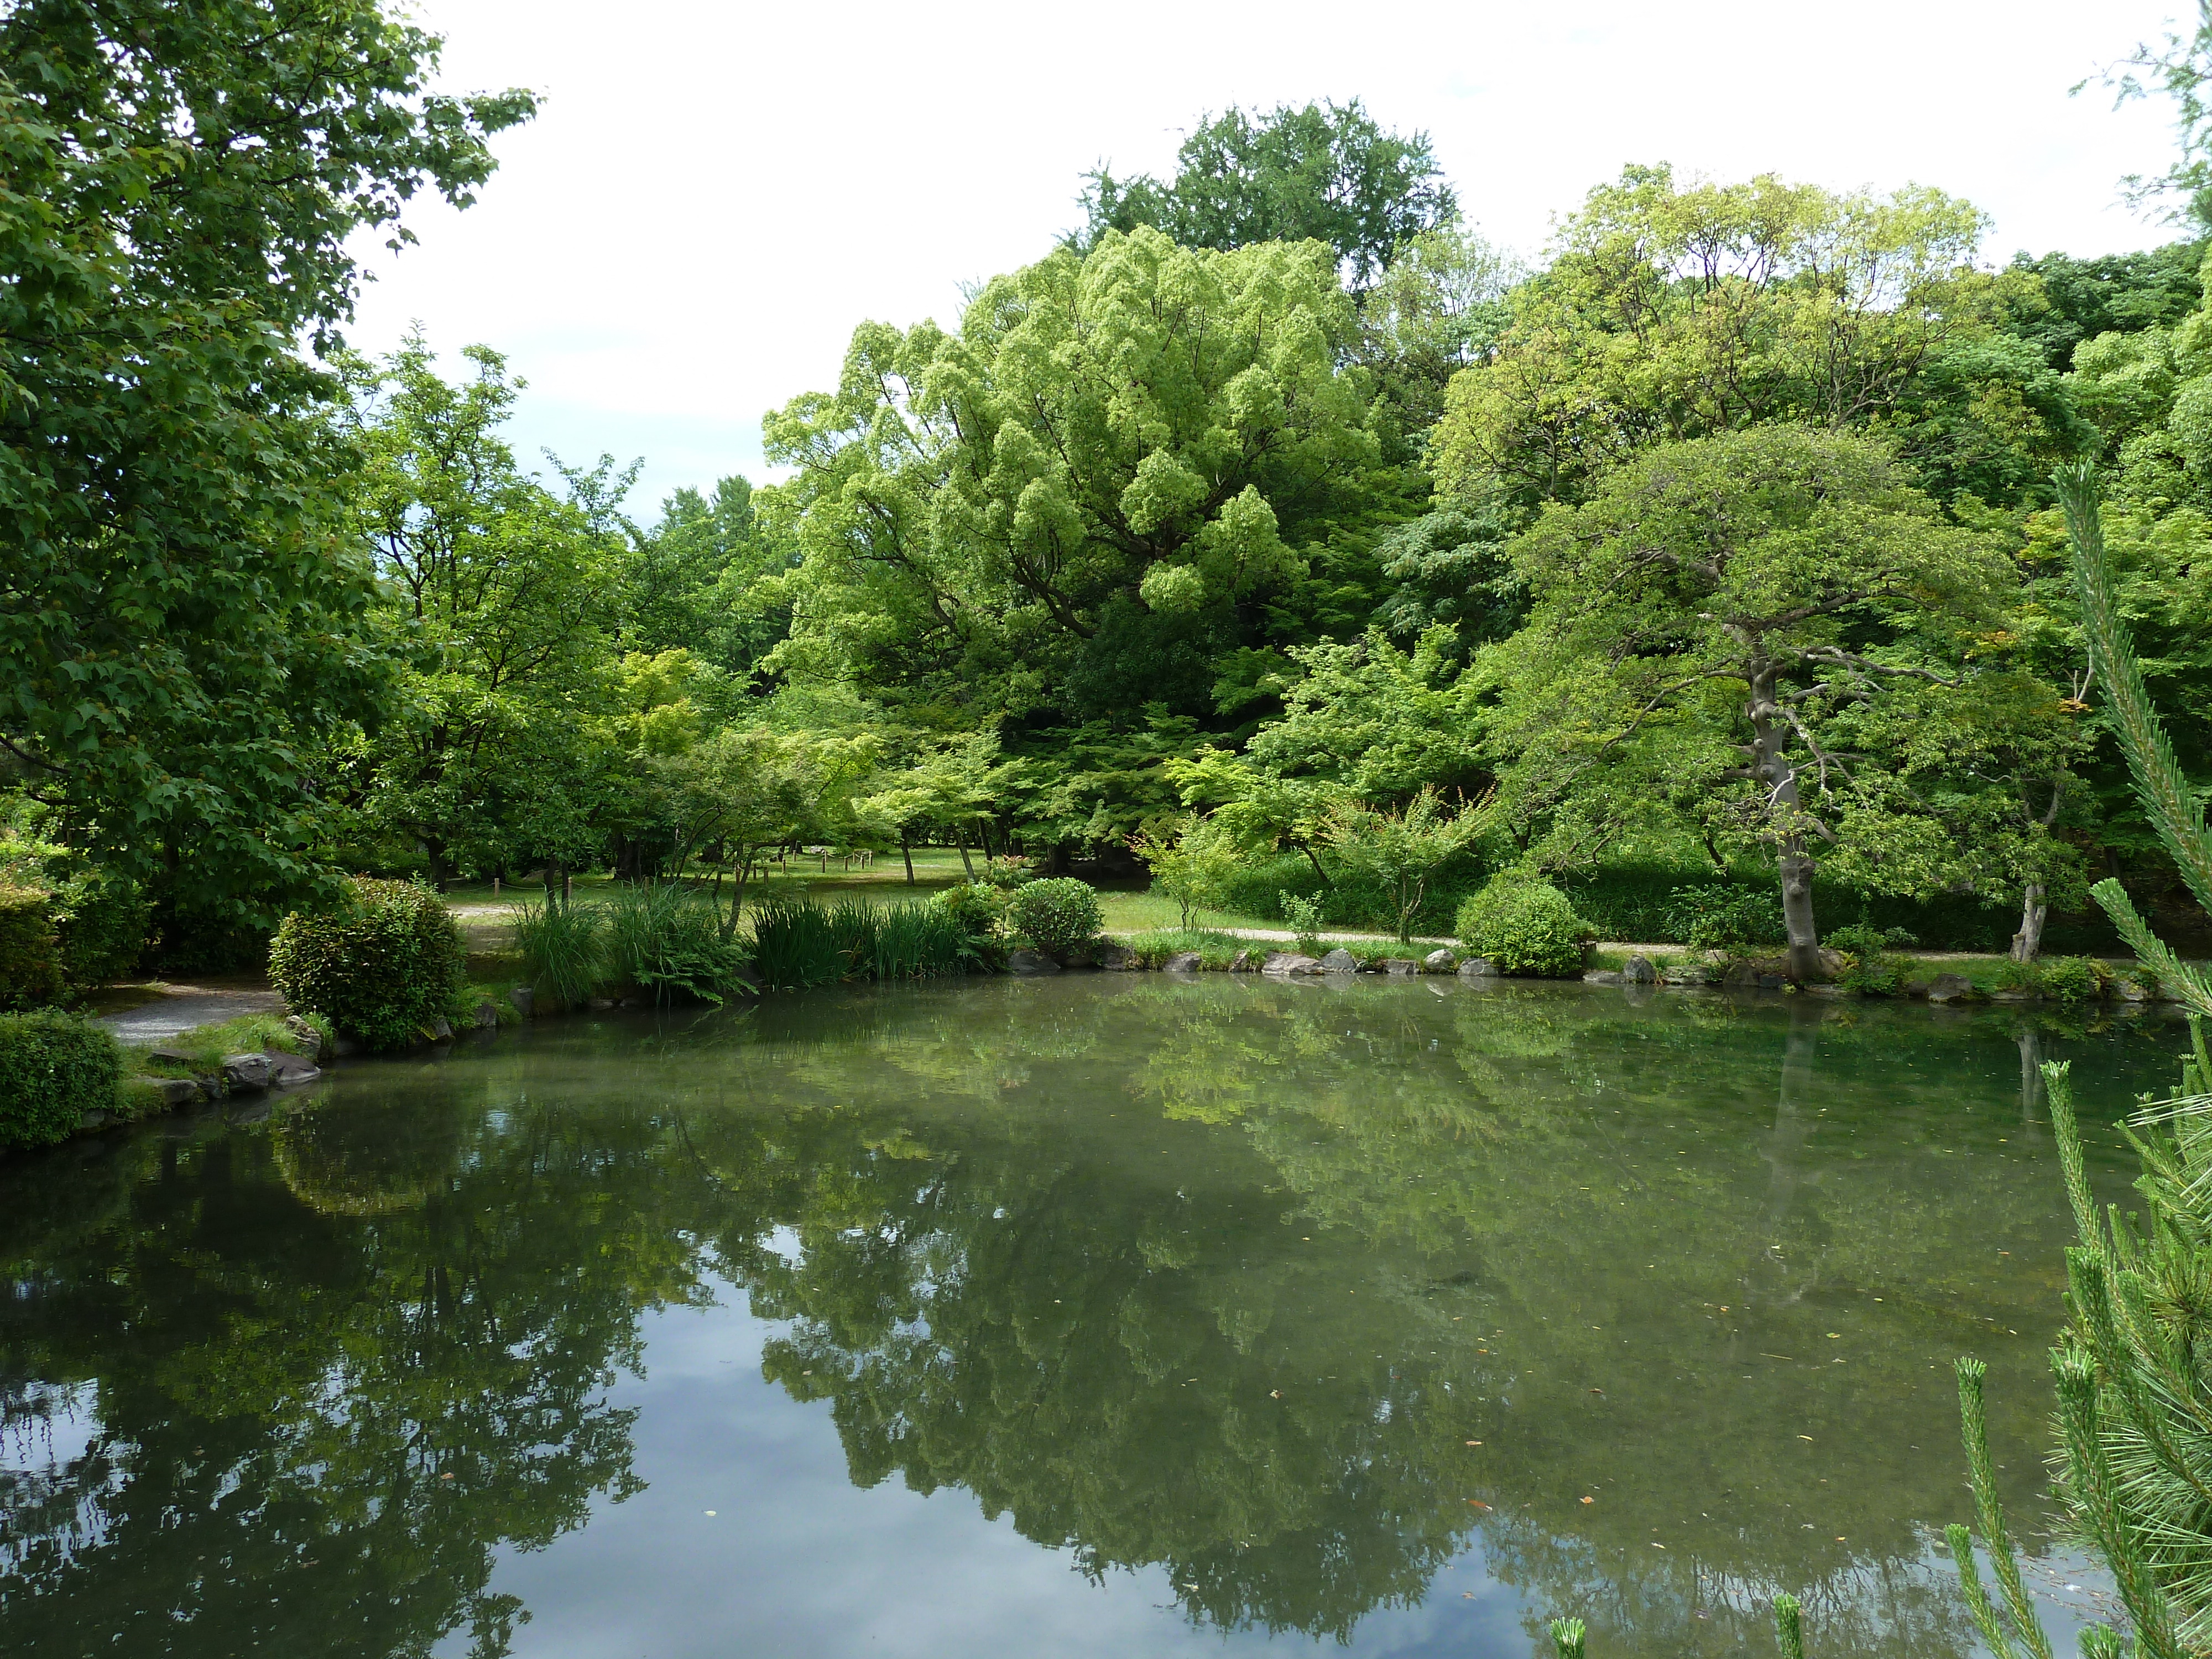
(30, 955)
(1525, 926)
(2075, 978)
(383, 967)
(1056, 917)
(1868, 967)
(1304, 916)
(563, 948)
(54, 1068)
(667, 940)
(1713, 916)
(976, 906)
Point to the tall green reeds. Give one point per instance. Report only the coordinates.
(563, 949)
(797, 942)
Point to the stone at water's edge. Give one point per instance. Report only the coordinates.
(1477, 968)
(440, 1029)
(289, 1071)
(1244, 962)
(1338, 961)
(1290, 962)
(1639, 970)
(1117, 959)
(1031, 962)
(487, 1015)
(1187, 961)
(175, 1092)
(1439, 961)
(1950, 988)
(1603, 977)
(249, 1071)
(524, 1000)
(1401, 967)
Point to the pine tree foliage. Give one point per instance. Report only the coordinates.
(2134, 1364)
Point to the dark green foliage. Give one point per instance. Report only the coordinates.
(1057, 917)
(1450, 567)
(563, 948)
(667, 940)
(1716, 916)
(54, 1068)
(2117, 294)
(99, 915)
(30, 956)
(1326, 172)
(1525, 926)
(383, 967)
(1260, 886)
(975, 905)
(184, 188)
(797, 946)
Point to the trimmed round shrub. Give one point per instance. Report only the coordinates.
(54, 1068)
(30, 954)
(1525, 926)
(975, 905)
(1057, 917)
(383, 968)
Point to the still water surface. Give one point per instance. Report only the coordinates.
(1096, 1316)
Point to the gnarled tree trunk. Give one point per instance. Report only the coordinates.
(1772, 767)
(2027, 944)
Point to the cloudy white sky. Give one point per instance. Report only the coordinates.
(715, 193)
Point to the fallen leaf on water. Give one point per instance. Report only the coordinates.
(1656, 1545)
(1589, 1500)
(1274, 1394)
(1477, 1503)
(1804, 1436)
(1474, 1442)
(1597, 1390)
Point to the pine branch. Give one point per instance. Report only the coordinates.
(2174, 975)
(1790, 1627)
(1974, 1430)
(2160, 784)
(1977, 1599)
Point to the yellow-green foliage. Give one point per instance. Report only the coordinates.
(30, 957)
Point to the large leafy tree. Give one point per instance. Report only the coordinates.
(1124, 466)
(1675, 311)
(183, 185)
(1709, 616)
(1326, 172)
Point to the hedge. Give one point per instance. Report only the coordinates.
(30, 953)
(54, 1068)
(383, 968)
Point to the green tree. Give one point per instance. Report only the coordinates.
(1707, 615)
(1327, 172)
(181, 615)
(1672, 312)
(1191, 863)
(1402, 850)
(494, 601)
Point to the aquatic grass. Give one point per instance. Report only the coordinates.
(667, 940)
(796, 945)
(562, 947)
(799, 943)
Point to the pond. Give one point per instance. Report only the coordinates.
(1104, 1315)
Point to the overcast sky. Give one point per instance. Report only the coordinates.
(715, 194)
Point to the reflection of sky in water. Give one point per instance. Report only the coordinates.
(796, 1560)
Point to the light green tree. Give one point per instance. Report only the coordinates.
(1192, 863)
(1401, 849)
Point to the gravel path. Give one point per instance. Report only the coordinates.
(180, 1007)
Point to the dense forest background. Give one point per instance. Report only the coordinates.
(1709, 553)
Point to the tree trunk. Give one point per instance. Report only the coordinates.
(2027, 944)
(907, 852)
(1772, 767)
(964, 862)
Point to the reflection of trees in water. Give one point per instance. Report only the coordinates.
(314, 1427)
(1221, 1277)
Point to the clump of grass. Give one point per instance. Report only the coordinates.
(666, 941)
(796, 946)
(919, 941)
(205, 1046)
(563, 949)
(1215, 950)
(798, 942)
